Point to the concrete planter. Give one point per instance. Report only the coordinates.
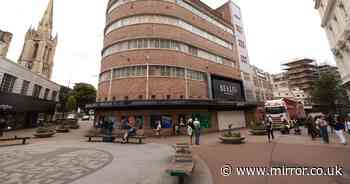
(232, 140)
(258, 132)
(45, 134)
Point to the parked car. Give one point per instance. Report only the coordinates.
(85, 118)
(72, 116)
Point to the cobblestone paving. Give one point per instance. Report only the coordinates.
(50, 166)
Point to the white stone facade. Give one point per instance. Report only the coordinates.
(257, 83)
(21, 73)
(335, 15)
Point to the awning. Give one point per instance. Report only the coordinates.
(172, 104)
(21, 103)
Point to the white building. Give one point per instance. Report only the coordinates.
(257, 83)
(29, 94)
(19, 80)
(335, 15)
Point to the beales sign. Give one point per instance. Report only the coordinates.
(227, 89)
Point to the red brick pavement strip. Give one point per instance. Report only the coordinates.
(263, 154)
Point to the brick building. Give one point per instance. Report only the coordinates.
(168, 61)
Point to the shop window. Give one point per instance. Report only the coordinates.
(165, 120)
(204, 119)
(136, 120)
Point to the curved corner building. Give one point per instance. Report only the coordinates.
(168, 61)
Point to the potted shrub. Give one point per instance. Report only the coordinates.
(258, 129)
(231, 137)
(44, 132)
(62, 128)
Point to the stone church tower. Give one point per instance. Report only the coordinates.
(39, 46)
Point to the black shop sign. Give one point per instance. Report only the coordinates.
(227, 89)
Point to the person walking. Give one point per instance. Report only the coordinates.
(2, 126)
(323, 124)
(190, 129)
(197, 130)
(269, 128)
(339, 127)
(158, 128)
(348, 124)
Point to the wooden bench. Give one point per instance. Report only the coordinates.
(90, 137)
(182, 165)
(180, 170)
(137, 137)
(24, 139)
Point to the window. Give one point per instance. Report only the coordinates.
(168, 97)
(335, 18)
(36, 91)
(330, 28)
(239, 29)
(164, 44)
(165, 121)
(46, 94)
(8, 81)
(153, 97)
(184, 5)
(126, 98)
(237, 17)
(140, 97)
(241, 43)
(114, 98)
(193, 51)
(169, 21)
(35, 51)
(25, 86)
(54, 95)
(244, 59)
(165, 71)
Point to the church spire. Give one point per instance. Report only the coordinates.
(45, 24)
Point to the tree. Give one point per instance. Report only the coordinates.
(65, 92)
(84, 94)
(71, 104)
(328, 92)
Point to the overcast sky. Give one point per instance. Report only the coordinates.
(276, 30)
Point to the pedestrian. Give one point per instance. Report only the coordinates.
(323, 124)
(269, 128)
(348, 124)
(158, 128)
(197, 130)
(190, 129)
(2, 126)
(339, 127)
(177, 129)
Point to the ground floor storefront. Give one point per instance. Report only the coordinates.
(174, 115)
(24, 111)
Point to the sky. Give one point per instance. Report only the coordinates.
(276, 31)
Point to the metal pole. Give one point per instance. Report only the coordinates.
(110, 86)
(147, 82)
(186, 83)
